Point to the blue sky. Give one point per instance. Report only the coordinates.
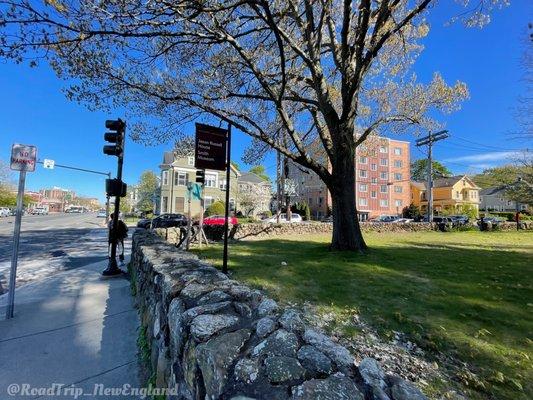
(34, 111)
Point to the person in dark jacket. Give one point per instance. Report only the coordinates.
(122, 233)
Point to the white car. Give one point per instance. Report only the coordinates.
(101, 214)
(283, 219)
(4, 212)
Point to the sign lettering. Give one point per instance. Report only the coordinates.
(23, 157)
(210, 147)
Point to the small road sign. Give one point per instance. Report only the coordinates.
(23, 157)
(48, 164)
(210, 147)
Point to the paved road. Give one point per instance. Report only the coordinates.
(51, 243)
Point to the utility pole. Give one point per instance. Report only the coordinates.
(278, 188)
(430, 140)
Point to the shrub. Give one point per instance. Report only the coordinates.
(302, 209)
(411, 212)
(217, 208)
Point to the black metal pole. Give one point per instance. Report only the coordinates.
(112, 266)
(226, 220)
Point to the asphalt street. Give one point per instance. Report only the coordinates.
(51, 243)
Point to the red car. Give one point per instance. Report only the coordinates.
(219, 220)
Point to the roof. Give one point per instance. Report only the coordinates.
(252, 178)
(168, 157)
(444, 182)
(491, 190)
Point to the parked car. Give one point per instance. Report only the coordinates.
(460, 219)
(144, 223)
(39, 211)
(402, 221)
(283, 219)
(101, 214)
(219, 220)
(386, 218)
(4, 212)
(329, 218)
(169, 221)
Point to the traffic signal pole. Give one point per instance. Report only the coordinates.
(118, 137)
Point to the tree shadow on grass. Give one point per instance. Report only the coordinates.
(471, 301)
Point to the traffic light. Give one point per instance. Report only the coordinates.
(200, 176)
(115, 187)
(117, 136)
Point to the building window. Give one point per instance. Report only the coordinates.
(164, 204)
(363, 187)
(383, 188)
(232, 204)
(398, 189)
(373, 194)
(207, 201)
(363, 160)
(398, 176)
(310, 200)
(398, 203)
(398, 151)
(320, 200)
(362, 173)
(222, 184)
(374, 180)
(190, 160)
(383, 175)
(210, 180)
(181, 178)
(457, 195)
(374, 167)
(165, 178)
(180, 204)
(384, 203)
(363, 202)
(398, 163)
(383, 162)
(383, 149)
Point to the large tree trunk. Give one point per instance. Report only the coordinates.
(346, 230)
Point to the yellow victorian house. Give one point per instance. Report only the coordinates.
(454, 194)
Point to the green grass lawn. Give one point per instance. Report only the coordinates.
(467, 294)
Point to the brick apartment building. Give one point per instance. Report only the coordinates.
(382, 181)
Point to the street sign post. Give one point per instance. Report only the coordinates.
(213, 151)
(23, 159)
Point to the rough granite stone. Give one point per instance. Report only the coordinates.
(279, 343)
(211, 308)
(332, 388)
(290, 320)
(402, 390)
(216, 356)
(265, 326)
(267, 307)
(374, 377)
(247, 370)
(206, 325)
(216, 296)
(281, 369)
(175, 324)
(194, 290)
(314, 361)
(338, 354)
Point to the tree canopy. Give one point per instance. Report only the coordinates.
(147, 189)
(260, 171)
(312, 79)
(419, 170)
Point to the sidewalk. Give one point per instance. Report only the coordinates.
(73, 328)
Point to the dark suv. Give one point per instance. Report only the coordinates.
(169, 221)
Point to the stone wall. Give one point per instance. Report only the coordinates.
(259, 230)
(214, 338)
